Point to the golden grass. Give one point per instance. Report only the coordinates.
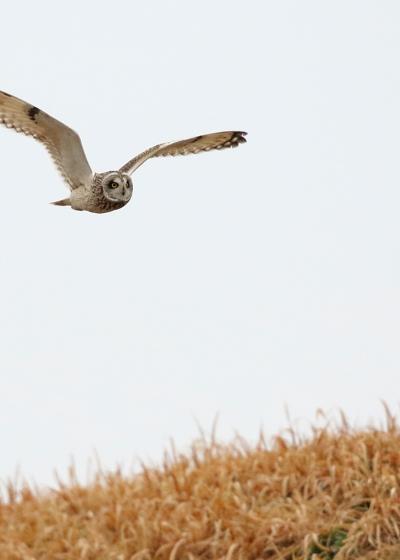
(335, 494)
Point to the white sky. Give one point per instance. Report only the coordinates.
(235, 282)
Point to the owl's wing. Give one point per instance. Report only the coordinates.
(63, 144)
(203, 143)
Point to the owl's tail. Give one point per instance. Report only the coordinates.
(64, 202)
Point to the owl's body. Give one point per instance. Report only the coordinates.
(96, 192)
(92, 199)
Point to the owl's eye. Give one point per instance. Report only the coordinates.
(113, 184)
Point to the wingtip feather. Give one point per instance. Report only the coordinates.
(238, 137)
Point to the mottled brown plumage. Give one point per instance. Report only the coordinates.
(96, 192)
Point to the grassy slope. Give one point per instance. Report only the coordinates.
(335, 495)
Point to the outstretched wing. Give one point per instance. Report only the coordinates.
(63, 144)
(203, 143)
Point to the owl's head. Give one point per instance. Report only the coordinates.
(117, 186)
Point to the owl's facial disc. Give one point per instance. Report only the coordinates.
(117, 187)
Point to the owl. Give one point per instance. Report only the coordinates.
(96, 192)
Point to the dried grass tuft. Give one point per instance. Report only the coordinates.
(335, 495)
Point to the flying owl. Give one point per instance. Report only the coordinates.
(96, 192)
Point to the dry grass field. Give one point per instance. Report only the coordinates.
(335, 494)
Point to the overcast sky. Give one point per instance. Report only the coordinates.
(236, 282)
